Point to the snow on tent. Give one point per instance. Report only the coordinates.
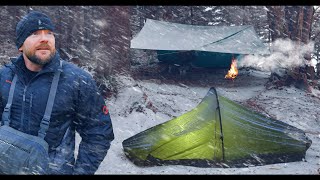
(218, 133)
(201, 46)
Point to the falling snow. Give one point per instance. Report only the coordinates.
(99, 41)
(291, 105)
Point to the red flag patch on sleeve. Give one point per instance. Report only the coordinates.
(105, 110)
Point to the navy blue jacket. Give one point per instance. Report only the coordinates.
(78, 106)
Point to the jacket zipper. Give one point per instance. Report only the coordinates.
(23, 104)
(23, 107)
(31, 104)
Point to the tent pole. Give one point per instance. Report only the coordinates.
(221, 132)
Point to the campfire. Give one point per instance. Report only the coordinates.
(233, 72)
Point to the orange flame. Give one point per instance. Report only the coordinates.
(233, 72)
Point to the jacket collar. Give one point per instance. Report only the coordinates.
(52, 66)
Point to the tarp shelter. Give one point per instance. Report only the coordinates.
(202, 46)
(218, 133)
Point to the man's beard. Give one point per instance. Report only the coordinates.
(33, 58)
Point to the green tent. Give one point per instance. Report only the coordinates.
(218, 133)
(202, 46)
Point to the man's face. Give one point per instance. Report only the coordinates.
(39, 47)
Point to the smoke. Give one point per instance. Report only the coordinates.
(284, 54)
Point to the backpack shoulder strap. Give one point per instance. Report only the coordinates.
(7, 110)
(44, 125)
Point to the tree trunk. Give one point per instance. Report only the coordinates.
(276, 22)
(294, 22)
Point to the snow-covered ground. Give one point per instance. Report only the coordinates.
(144, 104)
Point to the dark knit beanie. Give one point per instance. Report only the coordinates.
(30, 23)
